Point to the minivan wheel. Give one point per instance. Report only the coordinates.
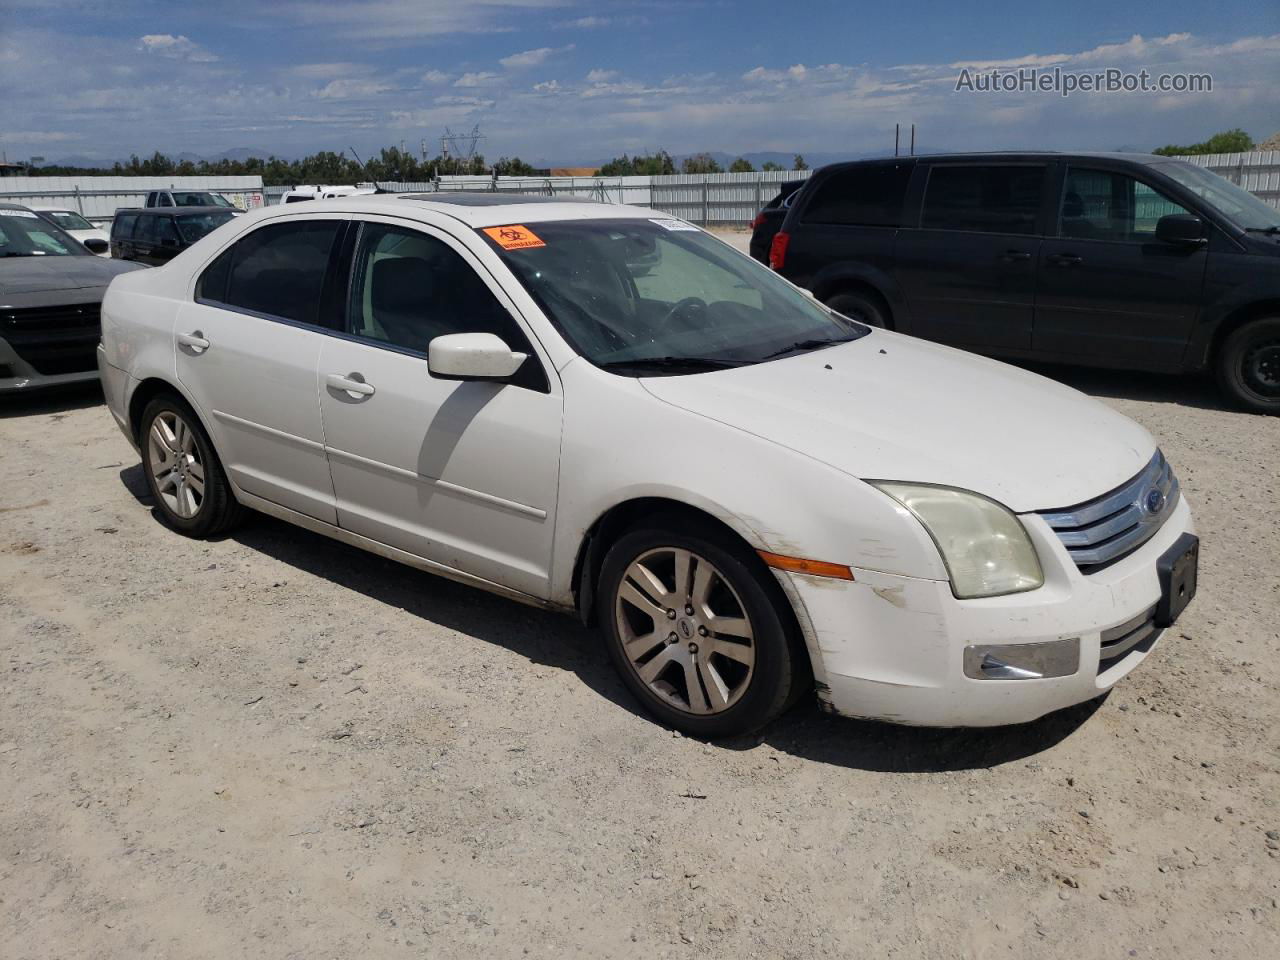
(858, 306)
(693, 626)
(184, 474)
(1249, 366)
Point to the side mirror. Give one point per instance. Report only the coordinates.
(96, 245)
(472, 356)
(1183, 229)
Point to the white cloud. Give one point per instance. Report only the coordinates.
(584, 23)
(40, 136)
(532, 58)
(435, 77)
(601, 76)
(351, 89)
(481, 79)
(175, 48)
(547, 86)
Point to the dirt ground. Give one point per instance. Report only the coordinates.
(277, 746)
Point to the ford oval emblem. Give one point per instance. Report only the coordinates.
(1154, 501)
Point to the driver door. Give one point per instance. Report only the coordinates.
(461, 473)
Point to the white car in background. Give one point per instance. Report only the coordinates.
(75, 224)
(595, 409)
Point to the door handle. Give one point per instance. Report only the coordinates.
(195, 340)
(352, 385)
(1065, 259)
(1009, 256)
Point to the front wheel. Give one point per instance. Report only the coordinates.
(693, 625)
(1249, 366)
(858, 306)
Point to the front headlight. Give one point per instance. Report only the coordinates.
(984, 546)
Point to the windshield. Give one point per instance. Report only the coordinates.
(199, 199)
(68, 220)
(193, 226)
(24, 233)
(1241, 206)
(643, 296)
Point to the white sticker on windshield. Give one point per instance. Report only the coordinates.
(673, 224)
(19, 213)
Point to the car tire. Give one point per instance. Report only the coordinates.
(860, 307)
(1248, 366)
(737, 645)
(184, 474)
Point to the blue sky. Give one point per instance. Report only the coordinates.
(575, 82)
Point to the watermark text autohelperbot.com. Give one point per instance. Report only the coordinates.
(1064, 83)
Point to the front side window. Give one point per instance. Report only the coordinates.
(983, 199)
(1105, 205)
(199, 198)
(26, 234)
(869, 195)
(278, 270)
(643, 296)
(68, 220)
(407, 288)
(147, 230)
(1240, 206)
(165, 200)
(166, 232)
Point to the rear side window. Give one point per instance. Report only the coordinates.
(983, 199)
(869, 196)
(278, 270)
(122, 226)
(146, 231)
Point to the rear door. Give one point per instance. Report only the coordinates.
(1109, 292)
(969, 271)
(247, 348)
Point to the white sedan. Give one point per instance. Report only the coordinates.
(599, 410)
(80, 228)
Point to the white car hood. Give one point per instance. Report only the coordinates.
(891, 407)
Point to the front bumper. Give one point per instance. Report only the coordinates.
(892, 648)
(18, 375)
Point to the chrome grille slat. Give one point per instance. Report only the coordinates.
(1115, 524)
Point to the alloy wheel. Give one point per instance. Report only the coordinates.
(685, 631)
(175, 463)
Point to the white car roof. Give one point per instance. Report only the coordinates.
(475, 209)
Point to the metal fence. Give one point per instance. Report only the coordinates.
(97, 198)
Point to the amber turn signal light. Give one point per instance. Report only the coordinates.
(815, 568)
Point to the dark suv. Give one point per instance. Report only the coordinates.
(1130, 261)
(156, 235)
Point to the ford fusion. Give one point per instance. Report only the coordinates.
(599, 410)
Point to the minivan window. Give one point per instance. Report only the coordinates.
(122, 226)
(193, 226)
(277, 270)
(985, 199)
(870, 195)
(1106, 205)
(1240, 206)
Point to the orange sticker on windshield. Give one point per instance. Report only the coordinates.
(515, 237)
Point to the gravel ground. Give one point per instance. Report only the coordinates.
(277, 746)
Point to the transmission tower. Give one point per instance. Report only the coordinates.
(460, 146)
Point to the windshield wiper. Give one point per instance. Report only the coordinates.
(675, 363)
(810, 344)
(1274, 228)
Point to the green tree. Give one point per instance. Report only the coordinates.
(700, 163)
(770, 167)
(1228, 141)
(798, 163)
(513, 167)
(741, 166)
(657, 164)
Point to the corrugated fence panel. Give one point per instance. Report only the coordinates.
(1258, 172)
(98, 198)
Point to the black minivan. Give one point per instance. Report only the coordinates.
(1130, 261)
(156, 235)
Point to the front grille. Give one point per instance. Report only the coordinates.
(54, 340)
(1137, 636)
(1111, 527)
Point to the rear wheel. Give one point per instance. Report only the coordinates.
(696, 630)
(183, 472)
(1249, 366)
(858, 306)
